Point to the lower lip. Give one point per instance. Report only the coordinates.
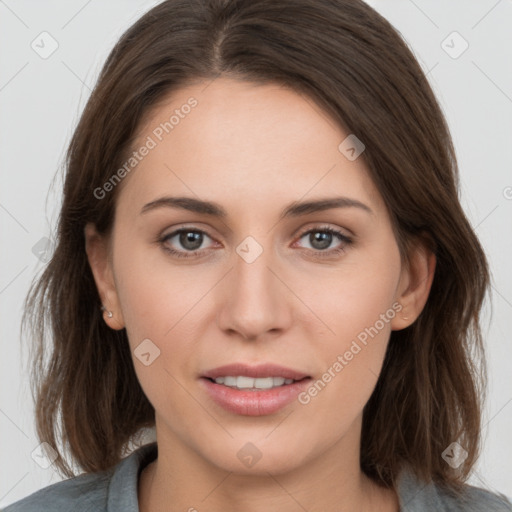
(254, 403)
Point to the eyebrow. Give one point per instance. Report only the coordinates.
(295, 209)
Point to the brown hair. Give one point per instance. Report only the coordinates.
(351, 61)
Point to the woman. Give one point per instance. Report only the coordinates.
(261, 253)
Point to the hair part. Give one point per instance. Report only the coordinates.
(350, 61)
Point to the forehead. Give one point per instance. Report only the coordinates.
(241, 141)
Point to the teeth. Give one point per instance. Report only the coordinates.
(230, 381)
(243, 382)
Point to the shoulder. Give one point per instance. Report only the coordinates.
(112, 490)
(83, 493)
(474, 499)
(418, 496)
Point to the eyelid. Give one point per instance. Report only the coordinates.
(324, 227)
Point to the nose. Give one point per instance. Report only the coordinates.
(255, 300)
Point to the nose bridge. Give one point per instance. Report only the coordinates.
(255, 302)
(252, 264)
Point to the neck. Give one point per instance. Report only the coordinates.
(180, 479)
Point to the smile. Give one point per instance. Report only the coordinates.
(250, 383)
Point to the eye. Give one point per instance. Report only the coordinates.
(189, 239)
(320, 238)
(188, 242)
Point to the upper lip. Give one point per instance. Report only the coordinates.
(261, 370)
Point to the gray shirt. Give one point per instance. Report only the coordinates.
(115, 490)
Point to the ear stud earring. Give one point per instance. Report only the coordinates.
(109, 313)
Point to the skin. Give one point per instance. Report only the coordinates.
(254, 149)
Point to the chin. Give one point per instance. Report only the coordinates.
(257, 458)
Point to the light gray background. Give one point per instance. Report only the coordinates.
(40, 102)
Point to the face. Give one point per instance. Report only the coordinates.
(315, 291)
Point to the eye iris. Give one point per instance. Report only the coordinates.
(324, 237)
(190, 236)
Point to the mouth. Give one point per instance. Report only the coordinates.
(254, 390)
(242, 382)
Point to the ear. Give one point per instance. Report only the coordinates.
(415, 283)
(98, 255)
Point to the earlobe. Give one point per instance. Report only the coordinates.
(96, 248)
(415, 284)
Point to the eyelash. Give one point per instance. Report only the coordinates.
(318, 253)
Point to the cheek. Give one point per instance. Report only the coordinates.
(154, 292)
(157, 301)
(359, 305)
(157, 313)
(352, 296)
